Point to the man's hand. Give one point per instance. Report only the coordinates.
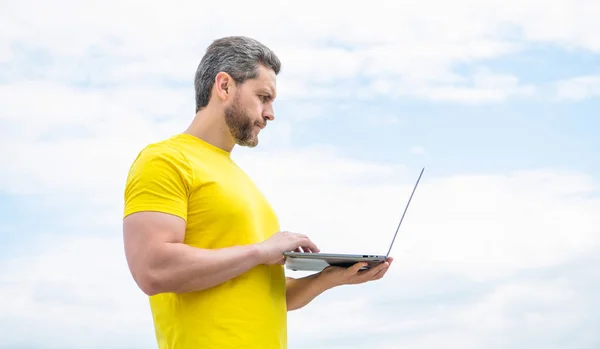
(302, 291)
(272, 249)
(337, 276)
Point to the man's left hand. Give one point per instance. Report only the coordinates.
(336, 276)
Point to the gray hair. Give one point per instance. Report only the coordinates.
(237, 56)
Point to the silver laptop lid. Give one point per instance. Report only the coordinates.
(405, 209)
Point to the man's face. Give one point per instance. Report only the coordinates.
(251, 107)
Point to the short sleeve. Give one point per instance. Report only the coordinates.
(158, 180)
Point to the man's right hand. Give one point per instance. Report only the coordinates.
(272, 249)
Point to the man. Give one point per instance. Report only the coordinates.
(200, 239)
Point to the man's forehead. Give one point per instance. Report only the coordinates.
(267, 80)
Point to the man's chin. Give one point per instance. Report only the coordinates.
(248, 143)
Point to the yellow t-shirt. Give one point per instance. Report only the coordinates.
(190, 178)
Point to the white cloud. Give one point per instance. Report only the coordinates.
(578, 88)
(72, 292)
(482, 87)
(62, 135)
(122, 42)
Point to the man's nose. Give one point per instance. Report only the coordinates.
(269, 114)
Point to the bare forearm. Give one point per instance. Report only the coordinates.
(302, 291)
(180, 268)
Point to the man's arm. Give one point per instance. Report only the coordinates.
(302, 291)
(160, 262)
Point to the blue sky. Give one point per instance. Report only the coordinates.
(499, 247)
(458, 138)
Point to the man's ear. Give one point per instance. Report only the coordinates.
(223, 85)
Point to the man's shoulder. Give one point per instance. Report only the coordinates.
(166, 148)
(163, 156)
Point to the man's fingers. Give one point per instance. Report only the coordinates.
(382, 266)
(301, 242)
(379, 274)
(311, 249)
(371, 273)
(309, 245)
(355, 269)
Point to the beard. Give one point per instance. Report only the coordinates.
(241, 125)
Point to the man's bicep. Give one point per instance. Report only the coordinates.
(145, 233)
(146, 237)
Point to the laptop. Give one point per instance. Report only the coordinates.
(311, 261)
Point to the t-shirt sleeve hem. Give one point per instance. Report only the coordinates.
(155, 208)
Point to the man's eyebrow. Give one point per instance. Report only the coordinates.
(268, 92)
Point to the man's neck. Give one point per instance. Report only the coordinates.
(209, 126)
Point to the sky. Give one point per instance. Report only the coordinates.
(499, 249)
